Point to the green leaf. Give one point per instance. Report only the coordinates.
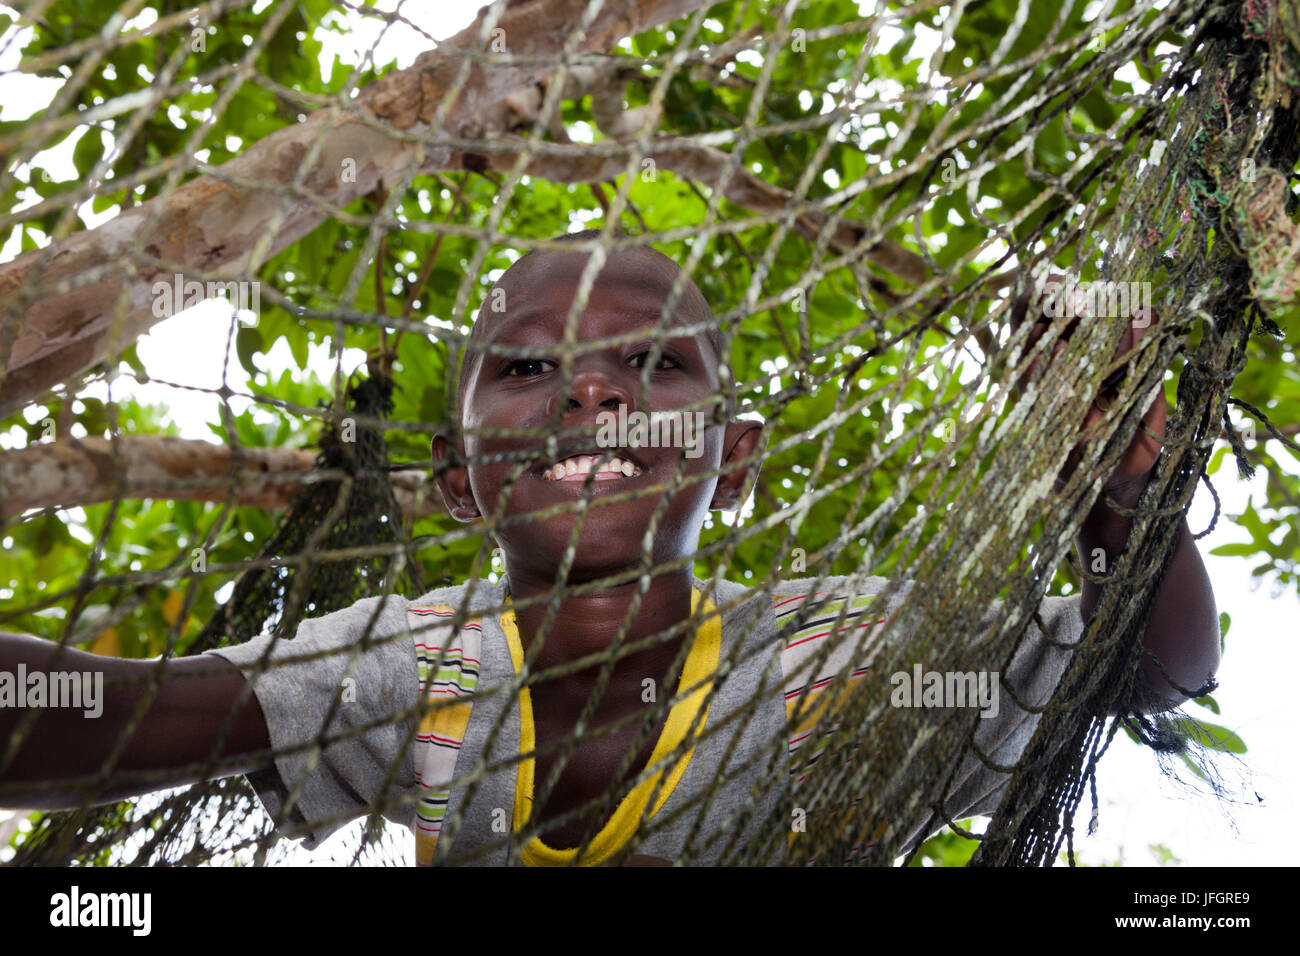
(248, 342)
(88, 151)
(1191, 765)
(1211, 736)
(1236, 550)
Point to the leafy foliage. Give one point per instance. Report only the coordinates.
(146, 601)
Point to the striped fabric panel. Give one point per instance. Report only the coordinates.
(448, 660)
(805, 691)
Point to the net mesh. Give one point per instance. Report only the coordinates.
(863, 243)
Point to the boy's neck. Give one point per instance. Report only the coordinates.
(588, 624)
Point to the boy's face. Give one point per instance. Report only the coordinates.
(502, 391)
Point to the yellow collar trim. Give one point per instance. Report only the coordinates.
(697, 672)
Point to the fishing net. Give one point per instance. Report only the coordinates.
(872, 228)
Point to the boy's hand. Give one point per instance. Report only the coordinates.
(187, 726)
(1181, 640)
(1131, 474)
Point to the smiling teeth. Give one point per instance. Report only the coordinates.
(582, 465)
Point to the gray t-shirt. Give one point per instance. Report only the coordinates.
(350, 678)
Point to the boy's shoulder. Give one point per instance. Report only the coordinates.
(826, 622)
(469, 600)
(799, 600)
(478, 596)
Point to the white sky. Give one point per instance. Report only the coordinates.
(1138, 806)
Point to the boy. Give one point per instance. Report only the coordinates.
(428, 697)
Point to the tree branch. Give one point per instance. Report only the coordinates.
(706, 166)
(75, 303)
(76, 472)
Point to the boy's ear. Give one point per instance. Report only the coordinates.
(739, 443)
(453, 479)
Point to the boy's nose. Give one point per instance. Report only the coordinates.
(592, 389)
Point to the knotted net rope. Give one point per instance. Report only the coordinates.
(880, 357)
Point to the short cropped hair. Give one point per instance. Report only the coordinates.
(689, 292)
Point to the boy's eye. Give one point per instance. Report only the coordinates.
(665, 361)
(525, 368)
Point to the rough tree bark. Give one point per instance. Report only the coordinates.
(75, 472)
(60, 302)
(70, 305)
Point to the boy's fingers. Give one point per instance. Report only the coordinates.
(1157, 416)
(1138, 325)
(1137, 329)
(1144, 448)
(1020, 309)
(1111, 383)
(1143, 319)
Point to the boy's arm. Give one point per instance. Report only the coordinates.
(171, 741)
(1183, 630)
